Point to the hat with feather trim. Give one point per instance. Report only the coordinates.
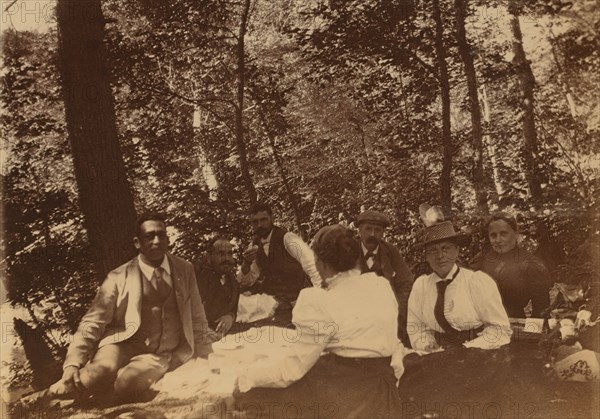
(437, 229)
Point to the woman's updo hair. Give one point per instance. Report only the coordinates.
(336, 246)
(502, 216)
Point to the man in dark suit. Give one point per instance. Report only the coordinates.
(385, 260)
(218, 286)
(147, 318)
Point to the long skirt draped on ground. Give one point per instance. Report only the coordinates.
(335, 387)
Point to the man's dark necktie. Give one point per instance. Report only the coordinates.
(438, 310)
(159, 283)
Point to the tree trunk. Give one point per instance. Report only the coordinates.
(490, 146)
(445, 176)
(526, 86)
(239, 125)
(465, 53)
(281, 168)
(104, 193)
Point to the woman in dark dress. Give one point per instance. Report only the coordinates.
(521, 276)
(352, 319)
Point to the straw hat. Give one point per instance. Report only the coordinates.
(439, 232)
(436, 228)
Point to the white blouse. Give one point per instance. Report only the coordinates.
(356, 316)
(471, 300)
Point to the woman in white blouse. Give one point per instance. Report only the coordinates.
(454, 305)
(347, 333)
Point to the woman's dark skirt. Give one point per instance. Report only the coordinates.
(335, 387)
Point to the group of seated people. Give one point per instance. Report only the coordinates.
(353, 301)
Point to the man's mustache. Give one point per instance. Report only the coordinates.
(371, 240)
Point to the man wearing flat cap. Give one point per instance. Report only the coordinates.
(385, 260)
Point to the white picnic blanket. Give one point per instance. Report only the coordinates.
(216, 376)
(255, 307)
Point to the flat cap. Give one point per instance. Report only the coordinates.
(373, 217)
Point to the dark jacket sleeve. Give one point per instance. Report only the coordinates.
(402, 284)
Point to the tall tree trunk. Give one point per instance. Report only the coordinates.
(104, 193)
(280, 168)
(464, 49)
(239, 124)
(445, 177)
(526, 86)
(490, 146)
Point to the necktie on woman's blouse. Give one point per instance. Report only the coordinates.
(438, 310)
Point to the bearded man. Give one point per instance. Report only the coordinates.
(278, 262)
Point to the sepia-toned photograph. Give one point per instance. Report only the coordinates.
(292, 209)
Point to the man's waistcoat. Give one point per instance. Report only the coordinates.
(160, 326)
(281, 275)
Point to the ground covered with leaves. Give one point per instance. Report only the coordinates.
(512, 382)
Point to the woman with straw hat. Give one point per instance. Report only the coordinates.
(453, 306)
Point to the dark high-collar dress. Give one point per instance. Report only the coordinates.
(521, 277)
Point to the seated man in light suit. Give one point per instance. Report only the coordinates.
(146, 319)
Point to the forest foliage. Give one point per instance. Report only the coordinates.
(342, 110)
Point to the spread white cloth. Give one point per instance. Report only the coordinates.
(187, 381)
(356, 316)
(216, 376)
(472, 299)
(255, 307)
